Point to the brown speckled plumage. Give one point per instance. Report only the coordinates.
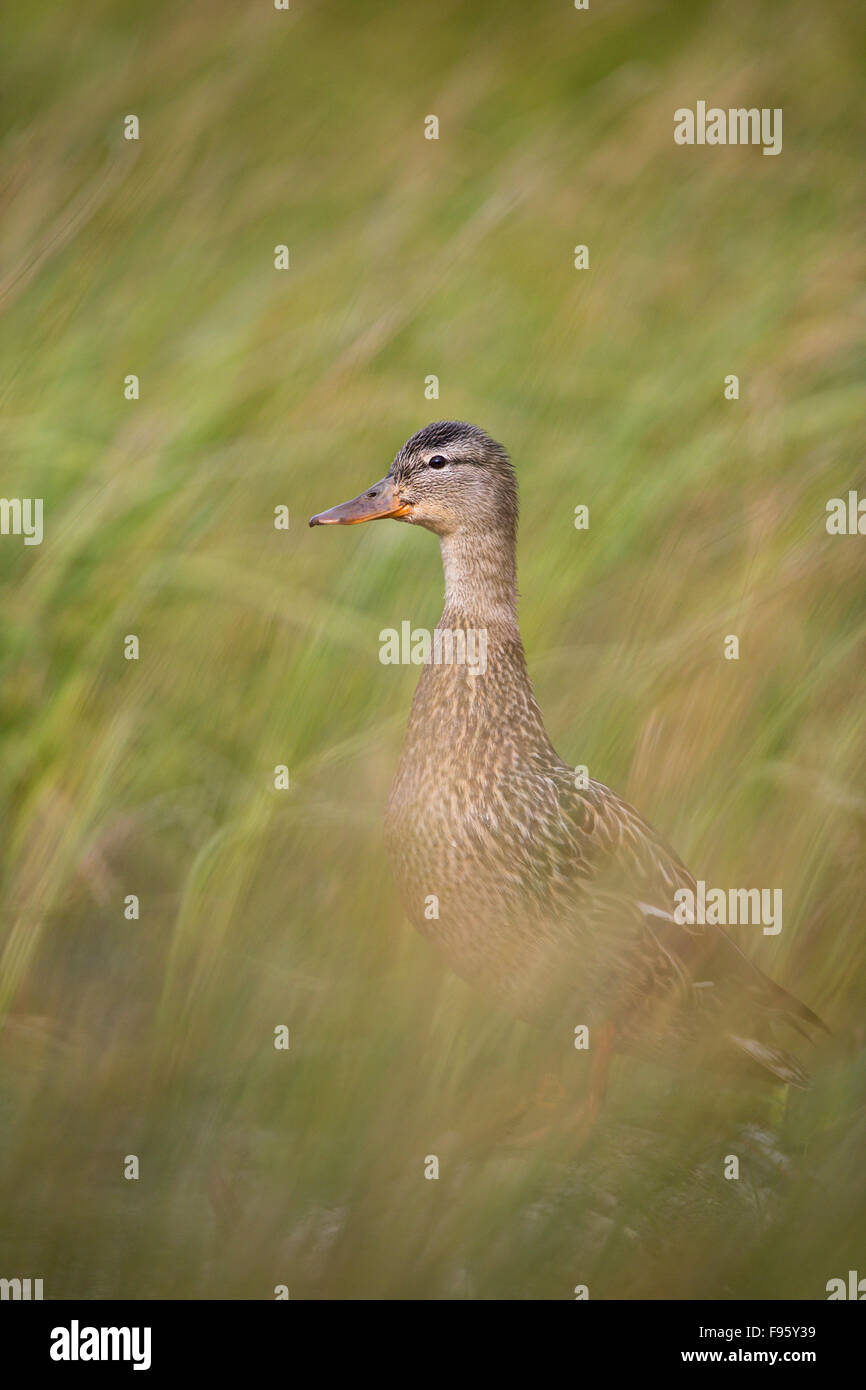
(557, 899)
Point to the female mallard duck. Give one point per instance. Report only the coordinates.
(557, 897)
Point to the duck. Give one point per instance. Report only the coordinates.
(539, 884)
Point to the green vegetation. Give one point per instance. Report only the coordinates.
(258, 647)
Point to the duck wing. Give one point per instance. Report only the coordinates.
(667, 984)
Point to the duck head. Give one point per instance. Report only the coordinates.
(450, 478)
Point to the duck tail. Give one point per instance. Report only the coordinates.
(773, 1060)
(798, 1013)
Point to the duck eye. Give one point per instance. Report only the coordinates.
(437, 461)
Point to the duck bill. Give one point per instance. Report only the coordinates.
(375, 504)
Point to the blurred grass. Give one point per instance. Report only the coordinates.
(260, 647)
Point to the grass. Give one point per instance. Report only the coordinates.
(259, 647)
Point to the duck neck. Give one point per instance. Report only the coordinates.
(480, 580)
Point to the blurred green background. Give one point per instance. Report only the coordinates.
(259, 647)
